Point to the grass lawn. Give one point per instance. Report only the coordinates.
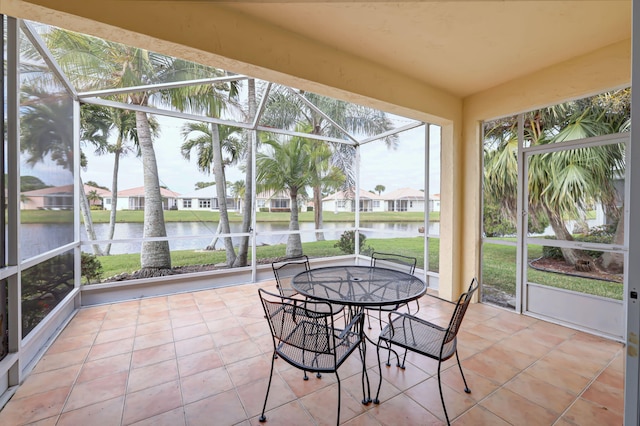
(499, 263)
(116, 264)
(499, 271)
(136, 216)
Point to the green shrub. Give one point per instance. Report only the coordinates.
(90, 267)
(495, 225)
(552, 252)
(347, 243)
(599, 234)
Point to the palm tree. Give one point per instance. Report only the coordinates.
(379, 189)
(198, 137)
(124, 122)
(209, 141)
(285, 167)
(92, 63)
(93, 196)
(238, 190)
(47, 132)
(288, 110)
(252, 140)
(324, 177)
(561, 184)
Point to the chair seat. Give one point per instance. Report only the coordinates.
(419, 336)
(386, 308)
(323, 355)
(287, 292)
(336, 308)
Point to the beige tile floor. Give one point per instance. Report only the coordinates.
(203, 358)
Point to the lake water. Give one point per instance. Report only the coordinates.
(39, 238)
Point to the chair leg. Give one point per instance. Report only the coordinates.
(446, 416)
(262, 418)
(338, 377)
(404, 358)
(376, 400)
(398, 364)
(366, 391)
(466, 388)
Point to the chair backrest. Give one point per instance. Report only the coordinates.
(459, 311)
(285, 269)
(293, 322)
(394, 261)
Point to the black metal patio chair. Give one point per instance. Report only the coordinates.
(285, 270)
(425, 338)
(392, 261)
(307, 339)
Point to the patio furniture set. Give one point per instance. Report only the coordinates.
(317, 318)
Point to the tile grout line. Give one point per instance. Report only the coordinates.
(82, 364)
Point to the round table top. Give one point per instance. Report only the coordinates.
(359, 285)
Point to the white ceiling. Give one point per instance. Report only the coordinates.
(462, 47)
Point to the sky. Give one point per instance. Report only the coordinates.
(402, 167)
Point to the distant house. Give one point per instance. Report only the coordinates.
(276, 202)
(133, 199)
(204, 199)
(405, 200)
(100, 192)
(58, 197)
(434, 203)
(344, 201)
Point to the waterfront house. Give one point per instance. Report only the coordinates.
(344, 201)
(133, 199)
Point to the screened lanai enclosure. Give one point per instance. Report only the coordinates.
(131, 174)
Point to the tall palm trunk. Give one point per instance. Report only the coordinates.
(114, 194)
(571, 256)
(317, 197)
(88, 221)
(221, 191)
(154, 255)
(317, 212)
(614, 262)
(294, 243)
(243, 248)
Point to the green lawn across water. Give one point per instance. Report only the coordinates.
(136, 216)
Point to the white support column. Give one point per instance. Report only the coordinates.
(427, 194)
(632, 366)
(13, 208)
(356, 200)
(77, 198)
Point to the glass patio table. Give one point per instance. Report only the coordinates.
(358, 287)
